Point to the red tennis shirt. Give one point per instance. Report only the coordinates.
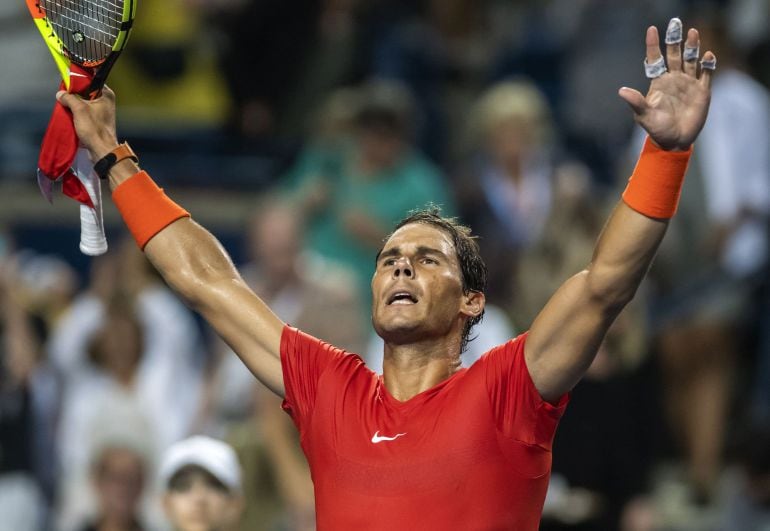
(471, 453)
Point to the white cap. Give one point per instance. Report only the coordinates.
(212, 455)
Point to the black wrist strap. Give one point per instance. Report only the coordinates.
(103, 166)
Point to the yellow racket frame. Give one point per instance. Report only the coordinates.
(56, 46)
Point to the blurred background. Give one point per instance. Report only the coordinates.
(298, 132)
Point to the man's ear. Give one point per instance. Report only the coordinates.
(473, 304)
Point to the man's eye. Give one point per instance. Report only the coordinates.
(429, 261)
(389, 262)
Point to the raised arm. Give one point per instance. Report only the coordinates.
(190, 259)
(565, 336)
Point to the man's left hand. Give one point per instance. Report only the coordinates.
(674, 110)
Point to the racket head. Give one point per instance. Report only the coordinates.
(89, 33)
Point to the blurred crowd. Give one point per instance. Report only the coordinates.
(501, 112)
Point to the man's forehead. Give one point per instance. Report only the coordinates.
(421, 235)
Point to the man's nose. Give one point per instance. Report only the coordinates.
(403, 267)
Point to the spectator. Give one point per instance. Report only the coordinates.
(301, 287)
(118, 476)
(109, 385)
(127, 345)
(506, 192)
(170, 344)
(47, 286)
(566, 241)
(23, 503)
(379, 172)
(201, 480)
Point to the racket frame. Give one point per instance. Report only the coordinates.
(62, 57)
(92, 239)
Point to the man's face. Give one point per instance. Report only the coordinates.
(381, 149)
(120, 345)
(196, 501)
(275, 242)
(417, 286)
(118, 480)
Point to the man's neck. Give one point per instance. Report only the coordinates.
(410, 369)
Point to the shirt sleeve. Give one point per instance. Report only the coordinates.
(519, 410)
(303, 360)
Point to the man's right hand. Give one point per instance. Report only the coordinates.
(94, 121)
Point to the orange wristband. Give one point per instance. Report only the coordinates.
(656, 184)
(145, 208)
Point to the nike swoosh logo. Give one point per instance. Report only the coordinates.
(76, 74)
(377, 438)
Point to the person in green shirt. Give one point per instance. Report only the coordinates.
(356, 187)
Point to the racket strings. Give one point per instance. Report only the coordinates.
(87, 28)
(84, 14)
(92, 6)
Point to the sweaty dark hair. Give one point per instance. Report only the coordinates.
(472, 266)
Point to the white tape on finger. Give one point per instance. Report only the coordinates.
(655, 69)
(92, 239)
(674, 31)
(690, 53)
(710, 64)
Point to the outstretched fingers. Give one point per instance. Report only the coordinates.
(691, 53)
(635, 100)
(674, 45)
(652, 40)
(654, 64)
(707, 67)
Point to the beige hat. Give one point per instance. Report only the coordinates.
(212, 455)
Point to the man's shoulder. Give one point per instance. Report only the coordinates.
(512, 348)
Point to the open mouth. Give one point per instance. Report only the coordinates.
(402, 297)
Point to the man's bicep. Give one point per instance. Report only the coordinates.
(249, 327)
(565, 336)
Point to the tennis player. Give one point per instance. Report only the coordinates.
(429, 445)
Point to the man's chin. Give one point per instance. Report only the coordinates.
(398, 332)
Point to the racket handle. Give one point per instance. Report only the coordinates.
(92, 239)
(93, 242)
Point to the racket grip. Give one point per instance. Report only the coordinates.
(93, 241)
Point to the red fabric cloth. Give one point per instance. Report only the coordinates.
(60, 143)
(471, 453)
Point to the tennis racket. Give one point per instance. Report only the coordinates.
(91, 34)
